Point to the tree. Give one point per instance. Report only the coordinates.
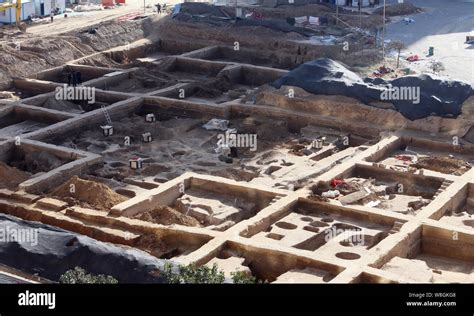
(398, 46)
(80, 276)
(192, 274)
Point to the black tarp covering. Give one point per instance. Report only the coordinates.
(59, 250)
(437, 96)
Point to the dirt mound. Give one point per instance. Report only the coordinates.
(166, 215)
(398, 9)
(89, 194)
(11, 177)
(443, 164)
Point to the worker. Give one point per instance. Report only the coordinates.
(52, 16)
(158, 8)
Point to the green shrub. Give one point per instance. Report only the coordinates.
(80, 276)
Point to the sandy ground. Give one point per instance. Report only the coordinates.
(444, 26)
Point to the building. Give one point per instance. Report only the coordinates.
(44, 7)
(31, 7)
(8, 16)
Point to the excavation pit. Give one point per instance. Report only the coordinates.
(170, 244)
(62, 74)
(37, 167)
(246, 56)
(381, 188)
(433, 256)
(328, 230)
(201, 202)
(178, 143)
(23, 89)
(164, 74)
(415, 153)
(270, 265)
(460, 212)
(127, 56)
(18, 120)
(233, 83)
(79, 104)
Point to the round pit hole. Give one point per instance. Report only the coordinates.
(311, 229)
(318, 224)
(327, 220)
(117, 164)
(468, 222)
(347, 255)
(286, 225)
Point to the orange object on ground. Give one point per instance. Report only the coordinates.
(336, 182)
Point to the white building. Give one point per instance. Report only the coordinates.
(31, 7)
(43, 7)
(8, 16)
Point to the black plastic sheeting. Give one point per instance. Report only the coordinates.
(59, 250)
(437, 96)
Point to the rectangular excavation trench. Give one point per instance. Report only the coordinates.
(459, 211)
(233, 83)
(432, 255)
(16, 120)
(19, 89)
(435, 155)
(269, 265)
(265, 58)
(327, 230)
(179, 142)
(163, 74)
(199, 202)
(80, 103)
(130, 55)
(36, 167)
(381, 189)
(61, 74)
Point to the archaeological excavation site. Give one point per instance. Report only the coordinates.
(251, 139)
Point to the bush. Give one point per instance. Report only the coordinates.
(192, 274)
(240, 277)
(80, 276)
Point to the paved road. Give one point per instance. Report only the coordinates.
(444, 25)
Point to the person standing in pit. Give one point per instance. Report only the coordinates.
(158, 8)
(52, 15)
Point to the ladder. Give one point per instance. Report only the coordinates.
(106, 113)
